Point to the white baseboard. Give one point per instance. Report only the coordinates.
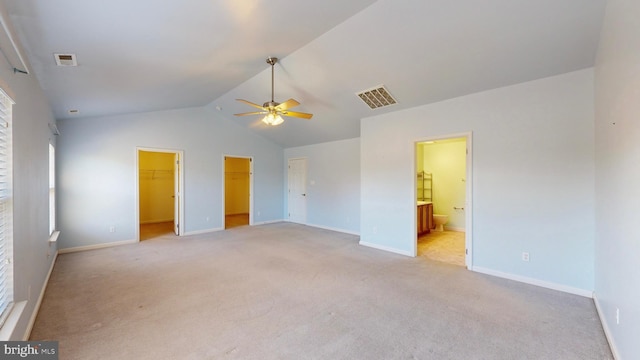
(36, 309)
(605, 327)
(334, 229)
(532, 281)
(205, 231)
(267, 222)
(385, 248)
(96, 246)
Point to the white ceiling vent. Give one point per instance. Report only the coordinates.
(66, 59)
(377, 97)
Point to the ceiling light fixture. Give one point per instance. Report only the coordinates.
(272, 118)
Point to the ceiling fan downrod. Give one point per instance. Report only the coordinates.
(271, 61)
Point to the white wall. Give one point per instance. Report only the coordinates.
(32, 253)
(617, 255)
(97, 167)
(533, 176)
(333, 184)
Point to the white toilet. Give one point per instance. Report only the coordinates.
(440, 220)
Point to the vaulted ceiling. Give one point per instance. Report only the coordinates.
(149, 55)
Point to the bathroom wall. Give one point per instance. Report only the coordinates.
(446, 161)
(419, 157)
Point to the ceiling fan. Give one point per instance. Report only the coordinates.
(272, 110)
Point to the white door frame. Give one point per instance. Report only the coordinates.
(304, 220)
(179, 198)
(250, 186)
(468, 205)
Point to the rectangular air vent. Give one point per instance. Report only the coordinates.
(377, 97)
(66, 59)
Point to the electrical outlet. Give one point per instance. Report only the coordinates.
(525, 256)
(207, 219)
(112, 229)
(617, 316)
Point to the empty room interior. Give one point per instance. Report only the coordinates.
(369, 179)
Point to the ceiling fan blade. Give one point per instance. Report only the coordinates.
(250, 103)
(297, 114)
(251, 113)
(287, 105)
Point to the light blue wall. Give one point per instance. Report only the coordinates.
(98, 174)
(617, 255)
(533, 176)
(333, 200)
(32, 253)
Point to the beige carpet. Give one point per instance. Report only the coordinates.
(445, 246)
(286, 291)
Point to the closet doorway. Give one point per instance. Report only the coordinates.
(159, 193)
(238, 185)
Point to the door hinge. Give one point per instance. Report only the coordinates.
(466, 251)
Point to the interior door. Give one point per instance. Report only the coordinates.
(297, 178)
(176, 191)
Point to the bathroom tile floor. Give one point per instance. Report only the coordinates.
(443, 246)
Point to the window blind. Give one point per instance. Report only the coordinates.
(6, 207)
(52, 189)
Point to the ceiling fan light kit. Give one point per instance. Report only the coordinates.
(273, 110)
(272, 119)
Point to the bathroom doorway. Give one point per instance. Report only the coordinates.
(443, 185)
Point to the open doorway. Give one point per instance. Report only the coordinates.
(443, 187)
(237, 191)
(159, 193)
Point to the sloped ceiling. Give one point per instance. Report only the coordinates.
(148, 55)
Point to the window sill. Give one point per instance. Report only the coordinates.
(54, 236)
(12, 320)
